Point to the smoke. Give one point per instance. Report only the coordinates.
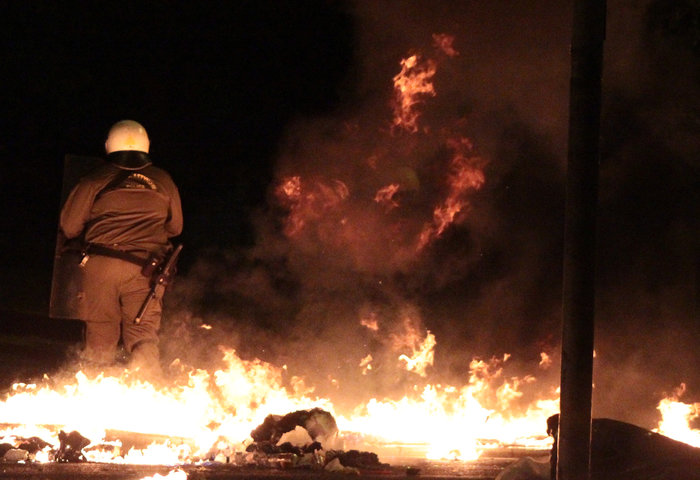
(648, 227)
(342, 265)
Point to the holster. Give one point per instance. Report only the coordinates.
(152, 266)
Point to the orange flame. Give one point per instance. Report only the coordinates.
(413, 83)
(308, 203)
(466, 174)
(366, 364)
(444, 42)
(176, 474)
(385, 196)
(422, 356)
(677, 417)
(370, 321)
(215, 412)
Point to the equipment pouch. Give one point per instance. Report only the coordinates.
(151, 266)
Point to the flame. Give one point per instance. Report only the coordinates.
(385, 196)
(454, 422)
(370, 321)
(443, 42)
(366, 364)
(422, 356)
(176, 474)
(213, 412)
(545, 361)
(413, 83)
(677, 417)
(466, 174)
(227, 404)
(307, 203)
(321, 204)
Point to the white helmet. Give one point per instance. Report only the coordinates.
(127, 135)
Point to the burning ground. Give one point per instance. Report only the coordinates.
(405, 273)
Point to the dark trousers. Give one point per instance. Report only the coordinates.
(114, 292)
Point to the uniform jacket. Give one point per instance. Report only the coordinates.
(127, 204)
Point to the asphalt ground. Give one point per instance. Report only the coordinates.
(483, 469)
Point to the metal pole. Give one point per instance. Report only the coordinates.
(574, 439)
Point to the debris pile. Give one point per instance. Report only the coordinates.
(307, 439)
(70, 449)
(300, 432)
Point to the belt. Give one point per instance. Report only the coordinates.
(101, 250)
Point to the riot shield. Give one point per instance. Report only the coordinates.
(67, 280)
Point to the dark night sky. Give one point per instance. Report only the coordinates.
(214, 85)
(236, 94)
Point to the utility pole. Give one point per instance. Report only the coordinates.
(574, 438)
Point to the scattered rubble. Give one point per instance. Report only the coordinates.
(318, 423)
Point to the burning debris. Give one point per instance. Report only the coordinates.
(224, 418)
(300, 439)
(303, 429)
(71, 447)
(305, 438)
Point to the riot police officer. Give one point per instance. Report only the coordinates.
(125, 211)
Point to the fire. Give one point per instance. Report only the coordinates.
(211, 414)
(454, 422)
(226, 404)
(422, 356)
(677, 417)
(176, 474)
(444, 42)
(411, 85)
(366, 364)
(370, 321)
(545, 361)
(416, 204)
(466, 174)
(308, 202)
(214, 412)
(385, 196)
